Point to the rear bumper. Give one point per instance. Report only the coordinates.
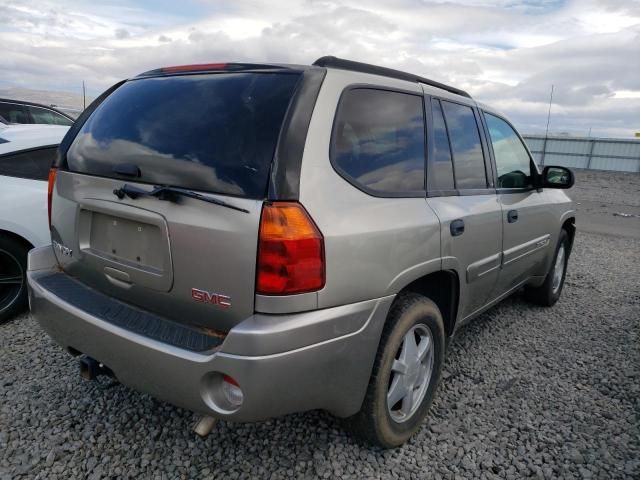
(283, 363)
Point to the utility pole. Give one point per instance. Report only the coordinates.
(546, 133)
(84, 97)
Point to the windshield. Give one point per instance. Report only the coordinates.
(209, 132)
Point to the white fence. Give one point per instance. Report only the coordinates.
(619, 155)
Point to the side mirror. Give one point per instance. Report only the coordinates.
(557, 177)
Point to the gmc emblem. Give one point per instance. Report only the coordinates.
(202, 296)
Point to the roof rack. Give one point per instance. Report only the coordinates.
(335, 62)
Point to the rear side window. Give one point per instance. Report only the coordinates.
(378, 141)
(31, 164)
(466, 145)
(42, 115)
(512, 160)
(211, 132)
(440, 172)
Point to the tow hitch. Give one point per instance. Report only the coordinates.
(91, 368)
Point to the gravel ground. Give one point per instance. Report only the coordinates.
(527, 391)
(607, 202)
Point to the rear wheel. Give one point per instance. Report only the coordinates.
(405, 374)
(13, 284)
(549, 292)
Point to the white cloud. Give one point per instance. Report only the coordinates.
(504, 53)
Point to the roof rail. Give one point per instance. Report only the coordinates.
(335, 62)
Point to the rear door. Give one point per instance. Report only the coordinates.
(525, 214)
(460, 191)
(183, 258)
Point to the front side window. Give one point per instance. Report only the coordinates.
(31, 164)
(512, 160)
(14, 113)
(468, 159)
(378, 141)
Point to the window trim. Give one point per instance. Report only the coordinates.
(459, 192)
(532, 163)
(348, 178)
(27, 150)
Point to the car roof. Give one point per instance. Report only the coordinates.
(328, 62)
(33, 104)
(14, 138)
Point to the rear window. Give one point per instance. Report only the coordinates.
(32, 164)
(468, 159)
(212, 132)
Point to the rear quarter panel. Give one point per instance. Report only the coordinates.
(373, 246)
(23, 209)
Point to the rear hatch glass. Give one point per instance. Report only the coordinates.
(185, 259)
(211, 132)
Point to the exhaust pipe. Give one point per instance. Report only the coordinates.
(204, 426)
(90, 368)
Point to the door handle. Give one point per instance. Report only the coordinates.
(512, 216)
(456, 227)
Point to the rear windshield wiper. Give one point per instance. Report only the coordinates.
(170, 194)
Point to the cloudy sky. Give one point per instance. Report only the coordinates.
(506, 53)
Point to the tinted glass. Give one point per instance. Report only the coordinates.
(512, 160)
(42, 115)
(379, 140)
(467, 148)
(210, 132)
(33, 164)
(440, 173)
(13, 113)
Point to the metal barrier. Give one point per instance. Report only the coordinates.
(614, 154)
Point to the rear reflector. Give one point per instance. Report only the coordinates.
(51, 182)
(232, 391)
(290, 251)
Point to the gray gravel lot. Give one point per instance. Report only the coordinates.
(528, 391)
(604, 198)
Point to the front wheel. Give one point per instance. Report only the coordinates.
(549, 292)
(405, 375)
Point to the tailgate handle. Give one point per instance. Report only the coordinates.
(117, 277)
(127, 169)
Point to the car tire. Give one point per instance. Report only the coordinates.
(549, 292)
(388, 426)
(13, 278)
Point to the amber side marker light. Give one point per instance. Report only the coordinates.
(51, 181)
(290, 251)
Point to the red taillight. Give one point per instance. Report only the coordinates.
(290, 251)
(194, 68)
(51, 182)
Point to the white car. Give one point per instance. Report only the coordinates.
(26, 154)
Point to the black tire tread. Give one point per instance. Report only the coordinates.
(543, 295)
(363, 424)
